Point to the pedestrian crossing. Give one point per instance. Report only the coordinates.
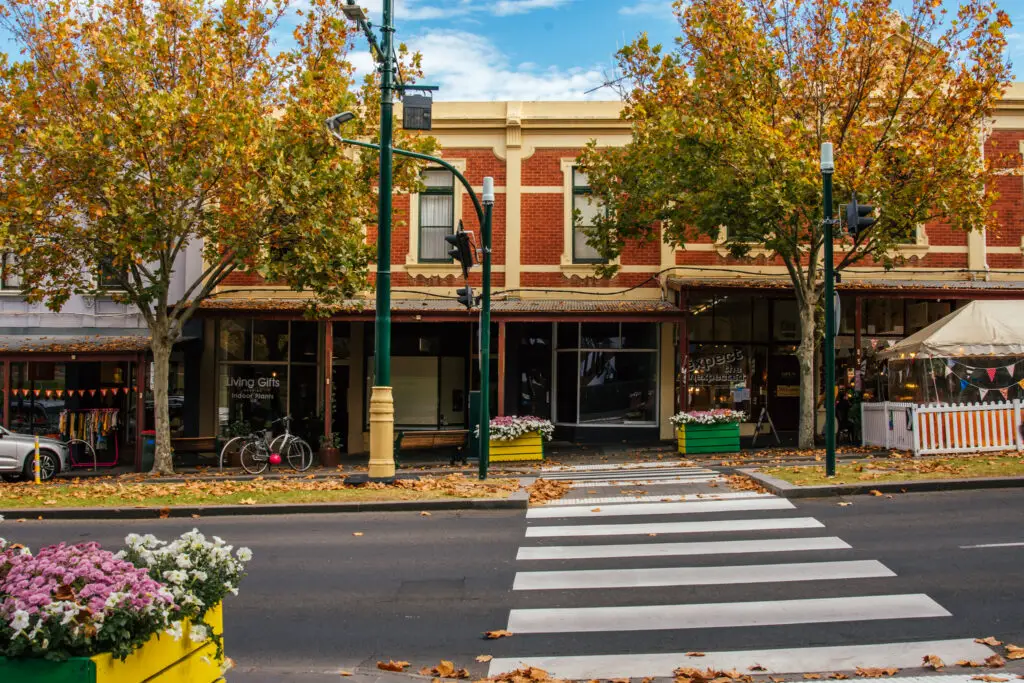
(685, 566)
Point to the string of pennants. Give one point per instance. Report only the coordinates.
(70, 393)
(991, 372)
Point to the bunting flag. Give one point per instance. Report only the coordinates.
(103, 392)
(1005, 392)
(92, 392)
(37, 391)
(982, 393)
(963, 384)
(1010, 367)
(81, 392)
(60, 392)
(991, 374)
(49, 393)
(892, 343)
(1021, 384)
(949, 371)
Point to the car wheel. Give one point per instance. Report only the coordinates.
(49, 465)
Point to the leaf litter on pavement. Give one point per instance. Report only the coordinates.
(544, 490)
(392, 665)
(445, 669)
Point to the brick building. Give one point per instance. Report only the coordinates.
(605, 359)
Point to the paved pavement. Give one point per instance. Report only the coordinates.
(744, 578)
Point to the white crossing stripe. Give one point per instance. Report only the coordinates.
(993, 545)
(627, 474)
(781, 661)
(772, 545)
(700, 576)
(701, 479)
(674, 527)
(674, 498)
(683, 507)
(629, 466)
(724, 614)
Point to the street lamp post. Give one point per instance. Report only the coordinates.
(485, 330)
(827, 169)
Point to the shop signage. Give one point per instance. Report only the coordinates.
(716, 368)
(254, 389)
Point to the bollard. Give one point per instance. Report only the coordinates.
(35, 462)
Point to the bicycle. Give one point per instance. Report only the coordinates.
(87, 447)
(258, 450)
(298, 453)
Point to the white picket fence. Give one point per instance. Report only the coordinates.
(945, 428)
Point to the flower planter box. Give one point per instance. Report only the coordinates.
(526, 447)
(162, 659)
(714, 438)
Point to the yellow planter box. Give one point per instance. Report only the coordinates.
(527, 447)
(161, 660)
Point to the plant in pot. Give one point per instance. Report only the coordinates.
(330, 450)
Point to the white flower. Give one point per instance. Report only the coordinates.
(199, 575)
(183, 562)
(197, 633)
(174, 630)
(176, 576)
(244, 554)
(20, 621)
(230, 589)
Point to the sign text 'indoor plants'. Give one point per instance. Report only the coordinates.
(82, 614)
(708, 431)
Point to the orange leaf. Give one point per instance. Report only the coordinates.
(392, 665)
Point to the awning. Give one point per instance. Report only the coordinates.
(849, 283)
(981, 328)
(70, 343)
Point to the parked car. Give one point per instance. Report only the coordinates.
(16, 456)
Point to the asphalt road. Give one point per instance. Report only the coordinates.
(319, 599)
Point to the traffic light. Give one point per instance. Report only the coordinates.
(858, 216)
(460, 249)
(465, 296)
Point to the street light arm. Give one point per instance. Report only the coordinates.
(424, 157)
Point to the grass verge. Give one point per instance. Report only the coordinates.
(85, 493)
(904, 469)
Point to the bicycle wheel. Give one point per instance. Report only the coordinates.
(298, 454)
(88, 452)
(254, 457)
(278, 442)
(231, 450)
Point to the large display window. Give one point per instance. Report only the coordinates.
(606, 374)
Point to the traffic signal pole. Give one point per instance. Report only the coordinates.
(829, 352)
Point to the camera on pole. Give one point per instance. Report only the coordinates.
(858, 216)
(461, 250)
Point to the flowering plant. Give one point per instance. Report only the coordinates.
(76, 600)
(708, 417)
(199, 574)
(514, 426)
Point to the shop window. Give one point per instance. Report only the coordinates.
(235, 341)
(269, 340)
(786, 320)
(732, 318)
(254, 394)
(718, 376)
(305, 338)
(883, 316)
(436, 215)
(701, 321)
(9, 279)
(585, 208)
(599, 381)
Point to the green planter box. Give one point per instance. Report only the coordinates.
(718, 438)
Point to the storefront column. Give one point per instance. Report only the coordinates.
(140, 409)
(684, 351)
(356, 382)
(501, 369)
(328, 373)
(7, 393)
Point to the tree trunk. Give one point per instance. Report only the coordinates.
(161, 346)
(805, 355)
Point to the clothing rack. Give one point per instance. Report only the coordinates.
(97, 426)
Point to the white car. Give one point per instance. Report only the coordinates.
(16, 456)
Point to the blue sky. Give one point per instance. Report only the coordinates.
(543, 49)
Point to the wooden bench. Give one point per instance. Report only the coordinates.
(195, 446)
(422, 439)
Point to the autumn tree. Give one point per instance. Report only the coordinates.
(727, 125)
(132, 130)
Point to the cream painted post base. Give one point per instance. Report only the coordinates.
(382, 434)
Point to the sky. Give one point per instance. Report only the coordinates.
(542, 49)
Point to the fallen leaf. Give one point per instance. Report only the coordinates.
(445, 669)
(876, 672)
(195, 516)
(652, 534)
(484, 658)
(620, 680)
(932, 662)
(989, 678)
(844, 503)
(968, 662)
(424, 514)
(694, 654)
(165, 513)
(392, 665)
(357, 533)
(595, 509)
(812, 677)
(344, 673)
(990, 640)
(1014, 651)
(501, 633)
(875, 492)
(836, 676)
(756, 667)
(776, 679)
(247, 501)
(995, 662)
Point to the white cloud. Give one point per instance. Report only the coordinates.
(506, 7)
(468, 66)
(425, 10)
(648, 7)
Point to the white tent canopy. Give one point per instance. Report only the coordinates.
(981, 328)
